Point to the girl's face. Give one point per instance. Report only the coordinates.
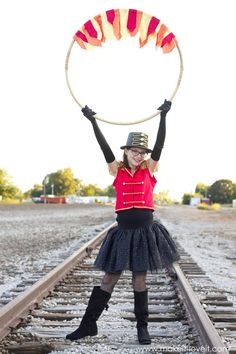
(135, 156)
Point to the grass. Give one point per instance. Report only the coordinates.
(9, 201)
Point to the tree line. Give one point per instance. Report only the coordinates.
(63, 183)
(222, 191)
(59, 183)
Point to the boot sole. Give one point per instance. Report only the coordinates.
(145, 342)
(87, 335)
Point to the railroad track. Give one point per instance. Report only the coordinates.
(187, 312)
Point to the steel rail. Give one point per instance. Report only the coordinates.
(12, 313)
(210, 338)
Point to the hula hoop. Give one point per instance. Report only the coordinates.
(157, 112)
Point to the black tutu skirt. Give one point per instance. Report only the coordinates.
(148, 247)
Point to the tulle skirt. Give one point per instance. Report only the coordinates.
(150, 247)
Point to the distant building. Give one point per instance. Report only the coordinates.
(74, 199)
(195, 201)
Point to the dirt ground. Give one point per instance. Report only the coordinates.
(35, 236)
(210, 238)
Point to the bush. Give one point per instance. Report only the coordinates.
(204, 206)
(215, 206)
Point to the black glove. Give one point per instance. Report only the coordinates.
(88, 113)
(108, 154)
(165, 107)
(161, 134)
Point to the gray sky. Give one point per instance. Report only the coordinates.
(42, 128)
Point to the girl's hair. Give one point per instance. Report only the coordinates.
(125, 161)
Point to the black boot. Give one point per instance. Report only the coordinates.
(141, 314)
(88, 326)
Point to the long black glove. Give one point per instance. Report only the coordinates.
(109, 156)
(161, 134)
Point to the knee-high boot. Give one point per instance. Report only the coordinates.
(141, 314)
(88, 326)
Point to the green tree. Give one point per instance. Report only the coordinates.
(186, 198)
(234, 194)
(162, 198)
(62, 182)
(7, 189)
(36, 191)
(202, 189)
(110, 191)
(222, 191)
(90, 190)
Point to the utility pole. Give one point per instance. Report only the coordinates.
(45, 182)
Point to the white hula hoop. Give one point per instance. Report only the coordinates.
(181, 67)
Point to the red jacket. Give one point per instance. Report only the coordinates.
(134, 191)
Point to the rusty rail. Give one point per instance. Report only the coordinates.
(210, 338)
(12, 313)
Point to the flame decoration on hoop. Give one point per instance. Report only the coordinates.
(121, 23)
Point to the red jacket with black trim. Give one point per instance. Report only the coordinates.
(134, 191)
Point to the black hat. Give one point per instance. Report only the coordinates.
(138, 140)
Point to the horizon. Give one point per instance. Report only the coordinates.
(43, 129)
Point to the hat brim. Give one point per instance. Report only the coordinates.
(136, 146)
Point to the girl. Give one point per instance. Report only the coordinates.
(137, 243)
